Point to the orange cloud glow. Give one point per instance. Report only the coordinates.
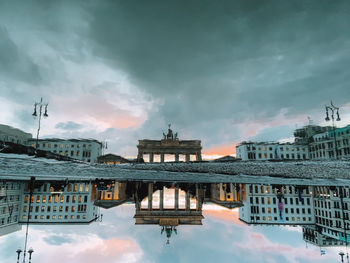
(223, 150)
(230, 216)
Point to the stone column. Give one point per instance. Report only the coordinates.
(197, 198)
(140, 155)
(176, 198)
(187, 200)
(188, 157)
(151, 157)
(176, 157)
(199, 156)
(162, 157)
(161, 199)
(150, 192)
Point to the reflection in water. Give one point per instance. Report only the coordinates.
(322, 211)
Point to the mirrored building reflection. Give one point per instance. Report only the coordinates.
(322, 211)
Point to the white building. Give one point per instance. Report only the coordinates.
(10, 196)
(271, 151)
(332, 211)
(58, 203)
(86, 150)
(10, 134)
(313, 236)
(273, 204)
(322, 145)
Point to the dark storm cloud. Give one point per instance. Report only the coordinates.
(213, 59)
(14, 64)
(209, 67)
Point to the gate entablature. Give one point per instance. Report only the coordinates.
(170, 144)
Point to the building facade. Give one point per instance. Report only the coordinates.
(58, 203)
(331, 145)
(332, 211)
(182, 150)
(271, 151)
(87, 150)
(10, 203)
(275, 204)
(10, 134)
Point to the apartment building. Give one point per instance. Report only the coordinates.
(275, 204)
(87, 150)
(10, 134)
(10, 201)
(271, 151)
(323, 144)
(332, 211)
(57, 202)
(313, 236)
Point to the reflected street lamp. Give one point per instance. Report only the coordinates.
(341, 254)
(18, 251)
(30, 252)
(333, 110)
(40, 106)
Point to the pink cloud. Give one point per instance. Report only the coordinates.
(226, 215)
(98, 110)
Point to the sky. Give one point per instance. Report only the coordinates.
(219, 71)
(221, 238)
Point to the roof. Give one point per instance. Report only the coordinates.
(112, 157)
(66, 140)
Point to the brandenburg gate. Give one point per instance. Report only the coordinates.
(170, 144)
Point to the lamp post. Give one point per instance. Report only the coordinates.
(18, 251)
(333, 109)
(30, 251)
(40, 106)
(345, 226)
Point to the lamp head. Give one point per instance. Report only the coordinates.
(45, 114)
(18, 251)
(338, 117)
(30, 251)
(34, 113)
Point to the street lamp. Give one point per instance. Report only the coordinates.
(341, 254)
(30, 252)
(333, 109)
(18, 251)
(40, 106)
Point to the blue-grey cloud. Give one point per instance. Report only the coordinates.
(70, 125)
(56, 240)
(209, 68)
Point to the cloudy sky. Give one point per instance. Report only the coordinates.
(221, 238)
(219, 71)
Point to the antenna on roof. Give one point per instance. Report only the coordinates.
(310, 120)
